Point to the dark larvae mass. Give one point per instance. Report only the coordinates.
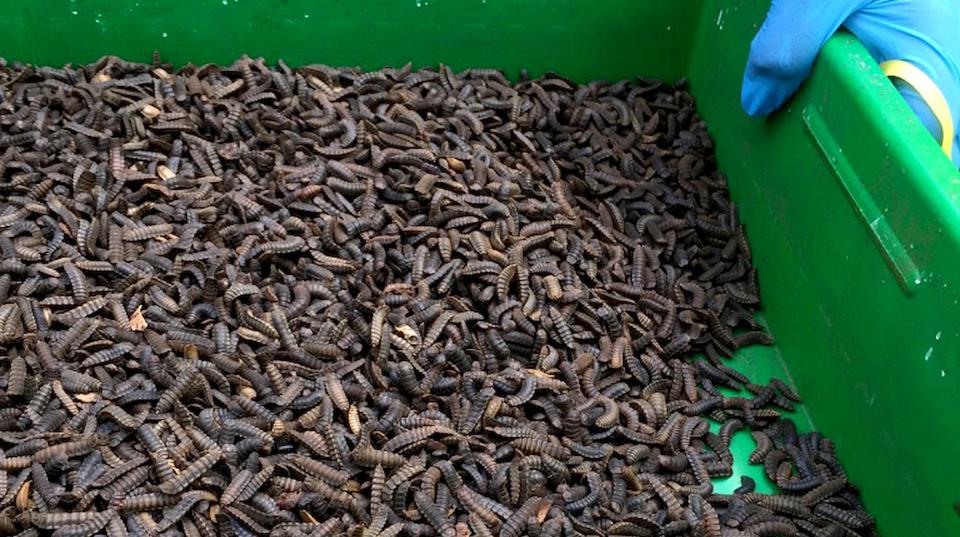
(247, 300)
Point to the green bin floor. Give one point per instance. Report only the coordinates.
(760, 364)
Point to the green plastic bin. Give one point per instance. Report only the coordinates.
(851, 207)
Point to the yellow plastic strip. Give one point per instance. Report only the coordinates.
(929, 92)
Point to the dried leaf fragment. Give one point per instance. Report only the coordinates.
(137, 322)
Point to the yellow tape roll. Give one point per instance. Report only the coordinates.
(929, 92)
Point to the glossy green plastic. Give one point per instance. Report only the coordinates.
(850, 206)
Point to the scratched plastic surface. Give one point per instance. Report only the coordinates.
(850, 206)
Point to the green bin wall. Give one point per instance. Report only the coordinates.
(850, 207)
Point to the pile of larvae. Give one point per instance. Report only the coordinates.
(255, 300)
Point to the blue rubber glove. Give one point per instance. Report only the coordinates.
(925, 33)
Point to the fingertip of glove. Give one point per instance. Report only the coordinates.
(751, 104)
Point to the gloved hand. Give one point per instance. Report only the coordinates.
(925, 33)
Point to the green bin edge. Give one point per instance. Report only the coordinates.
(851, 209)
